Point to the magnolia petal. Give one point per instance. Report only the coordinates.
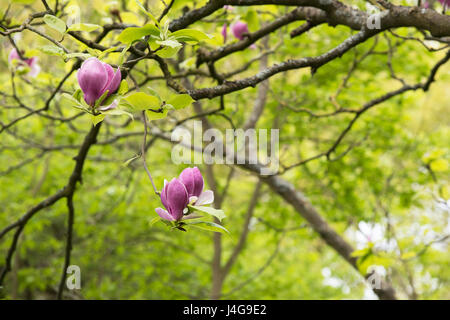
(114, 79)
(177, 197)
(207, 197)
(193, 181)
(193, 199)
(224, 32)
(164, 214)
(239, 29)
(13, 55)
(164, 195)
(92, 78)
(113, 105)
(35, 69)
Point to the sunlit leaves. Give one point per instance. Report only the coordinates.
(96, 119)
(156, 115)
(180, 101)
(189, 35)
(142, 101)
(131, 34)
(52, 49)
(208, 226)
(55, 23)
(87, 27)
(218, 213)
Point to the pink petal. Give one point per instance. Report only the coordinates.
(113, 105)
(239, 29)
(193, 181)
(177, 198)
(164, 195)
(92, 78)
(224, 32)
(13, 55)
(35, 69)
(207, 197)
(164, 214)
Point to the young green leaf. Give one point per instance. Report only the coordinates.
(122, 55)
(117, 112)
(52, 50)
(73, 102)
(169, 43)
(88, 27)
(123, 88)
(209, 226)
(168, 52)
(67, 56)
(96, 119)
(131, 34)
(189, 35)
(154, 220)
(55, 23)
(180, 101)
(218, 213)
(151, 115)
(126, 163)
(142, 101)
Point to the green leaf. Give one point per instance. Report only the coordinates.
(189, 35)
(131, 34)
(180, 101)
(67, 56)
(97, 119)
(55, 23)
(78, 94)
(439, 165)
(126, 163)
(151, 115)
(434, 155)
(117, 112)
(100, 100)
(122, 55)
(169, 43)
(88, 27)
(155, 220)
(218, 213)
(72, 101)
(51, 49)
(209, 226)
(142, 101)
(123, 88)
(168, 52)
(252, 20)
(155, 93)
(360, 253)
(408, 255)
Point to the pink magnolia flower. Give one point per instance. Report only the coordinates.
(31, 62)
(193, 181)
(95, 78)
(239, 29)
(224, 32)
(445, 2)
(174, 198)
